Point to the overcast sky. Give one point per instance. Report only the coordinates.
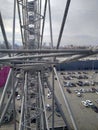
(81, 27)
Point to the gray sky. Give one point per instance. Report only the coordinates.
(81, 27)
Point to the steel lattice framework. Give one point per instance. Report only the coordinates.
(33, 62)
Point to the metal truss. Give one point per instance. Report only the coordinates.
(33, 62)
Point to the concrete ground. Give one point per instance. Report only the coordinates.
(85, 118)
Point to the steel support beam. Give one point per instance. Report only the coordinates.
(20, 21)
(21, 115)
(5, 89)
(43, 100)
(63, 22)
(35, 56)
(70, 59)
(50, 21)
(4, 34)
(43, 24)
(42, 113)
(53, 91)
(7, 104)
(59, 106)
(66, 101)
(75, 57)
(26, 112)
(75, 51)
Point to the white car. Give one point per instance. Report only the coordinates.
(79, 94)
(89, 102)
(18, 97)
(48, 107)
(85, 103)
(49, 95)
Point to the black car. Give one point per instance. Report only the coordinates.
(33, 120)
(19, 109)
(33, 106)
(8, 117)
(80, 83)
(68, 90)
(95, 108)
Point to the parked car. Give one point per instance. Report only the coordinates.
(18, 97)
(33, 106)
(93, 90)
(16, 93)
(32, 95)
(85, 103)
(69, 84)
(48, 107)
(67, 78)
(19, 109)
(76, 90)
(45, 84)
(80, 83)
(92, 83)
(79, 94)
(86, 83)
(94, 108)
(33, 120)
(89, 102)
(49, 95)
(62, 73)
(68, 90)
(8, 117)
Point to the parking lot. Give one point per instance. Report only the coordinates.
(86, 84)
